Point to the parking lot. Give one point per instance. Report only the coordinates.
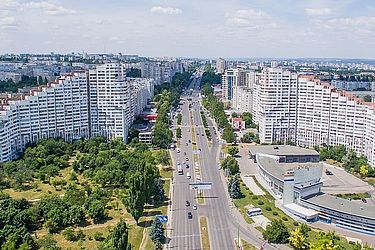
(341, 182)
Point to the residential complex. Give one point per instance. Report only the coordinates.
(101, 101)
(296, 108)
(161, 71)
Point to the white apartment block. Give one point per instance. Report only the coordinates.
(243, 92)
(57, 110)
(161, 72)
(110, 101)
(328, 116)
(79, 105)
(277, 105)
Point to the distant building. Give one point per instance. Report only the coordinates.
(351, 85)
(221, 65)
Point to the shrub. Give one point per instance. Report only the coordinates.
(260, 203)
(69, 234)
(268, 208)
(285, 218)
(275, 213)
(255, 197)
(98, 236)
(295, 223)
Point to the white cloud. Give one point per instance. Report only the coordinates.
(8, 22)
(166, 10)
(250, 19)
(9, 4)
(318, 12)
(49, 8)
(364, 24)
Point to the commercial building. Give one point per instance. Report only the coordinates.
(78, 105)
(293, 175)
(342, 212)
(290, 172)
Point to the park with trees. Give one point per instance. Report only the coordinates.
(57, 193)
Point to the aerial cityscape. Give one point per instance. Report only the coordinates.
(165, 124)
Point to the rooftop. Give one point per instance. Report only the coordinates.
(281, 150)
(343, 205)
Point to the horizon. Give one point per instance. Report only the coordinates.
(194, 29)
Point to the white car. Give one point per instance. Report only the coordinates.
(194, 207)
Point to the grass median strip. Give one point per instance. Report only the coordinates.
(204, 233)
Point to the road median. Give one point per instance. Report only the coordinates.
(203, 226)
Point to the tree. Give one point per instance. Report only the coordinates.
(119, 236)
(234, 187)
(135, 198)
(276, 232)
(157, 233)
(231, 164)
(178, 133)
(233, 151)
(326, 241)
(248, 118)
(162, 135)
(364, 169)
(298, 240)
(349, 160)
(96, 210)
(248, 137)
(228, 134)
(367, 98)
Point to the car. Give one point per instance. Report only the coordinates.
(328, 172)
(184, 153)
(187, 144)
(364, 200)
(187, 203)
(189, 141)
(194, 207)
(187, 159)
(202, 134)
(187, 165)
(190, 215)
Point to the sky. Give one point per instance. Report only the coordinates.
(191, 28)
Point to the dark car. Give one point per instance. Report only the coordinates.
(190, 215)
(328, 172)
(187, 203)
(189, 141)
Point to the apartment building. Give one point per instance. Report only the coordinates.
(82, 104)
(110, 101)
(161, 71)
(276, 105)
(243, 92)
(330, 116)
(221, 65)
(59, 109)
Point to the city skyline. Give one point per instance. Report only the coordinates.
(235, 29)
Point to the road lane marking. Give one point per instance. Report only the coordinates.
(183, 236)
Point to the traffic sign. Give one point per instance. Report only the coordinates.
(162, 218)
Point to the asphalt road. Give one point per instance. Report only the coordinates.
(225, 223)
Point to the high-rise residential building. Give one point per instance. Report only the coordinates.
(242, 93)
(221, 65)
(110, 101)
(328, 116)
(161, 71)
(277, 105)
(78, 105)
(60, 109)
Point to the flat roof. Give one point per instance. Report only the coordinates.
(343, 205)
(276, 169)
(281, 150)
(301, 210)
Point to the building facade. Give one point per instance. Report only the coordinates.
(277, 105)
(78, 105)
(328, 116)
(221, 65)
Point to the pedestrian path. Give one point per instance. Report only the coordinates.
(251, 184)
